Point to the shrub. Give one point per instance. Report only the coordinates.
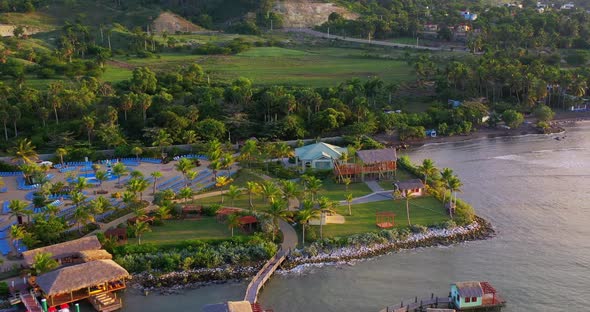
(4, 291)
(417, 228)
(211, 210)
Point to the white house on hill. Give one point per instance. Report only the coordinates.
(318, 156)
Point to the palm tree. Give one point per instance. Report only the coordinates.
(427, 169)
(326, 205)
(233, 192)
(77, 198)
(17, 209)
(233, 220)
(226, 162)
(137, 151)
(139, 228)
(408, 196)
(248, 151)
(215, 166)
(16, 233)
(346, 182)
(61, 152)
(185, 193)
(290, 189)
(101, 176)
(313, 186)
(270, 191)
(24, 152)
(222, 181)
(43, 262)
(138, 185)
(82, 216)
(454, 186)
(446, 175)
(129, 198)
(304, 216)
(190, 137)
(184, 165)
(163, 212)
(277, 211)
(119, 170)
(349, 202)
(252, 188)
(156, 175)
(191, 176)
(162, 140)
(80, 184)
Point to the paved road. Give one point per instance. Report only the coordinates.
(365, 41)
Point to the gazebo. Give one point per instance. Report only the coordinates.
(248, 220)
(384, 219)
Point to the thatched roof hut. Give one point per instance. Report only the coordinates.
(93, 255)
(72, 278)
(370, 157)
(409, 185)
(64, 250)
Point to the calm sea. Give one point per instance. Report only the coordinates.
(534, 189)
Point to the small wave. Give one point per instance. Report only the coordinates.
(508, 157)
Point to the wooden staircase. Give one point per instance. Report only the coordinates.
(106, 302)
(30, 302)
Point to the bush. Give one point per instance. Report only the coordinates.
(417, 228)
(4, 291)
(211, 210)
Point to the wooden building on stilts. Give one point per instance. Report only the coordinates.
(373, 164)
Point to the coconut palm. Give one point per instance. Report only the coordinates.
(349, 202)
(346, 182)
(163, 212)
(408, 196)
(24, 152)
(222, 181)
(325, 206)
(137, 151)
(226, 162)
(446, 175)
(233, 221)
(252, 188)
(277, 211)
(139, 228)
(427, 169)
(233, 193)
(270, 191)
(215, 166)
(184, 165)
(190, 137)
(77, 198)
(313, 186)
(17, 209)
(82, 217)
(138, 185)
(162, 140)
(191, 176)
(185, 193)
(61, 152)
(304, 215)
(156, 175)
(101, 176)
(454, 186)
(43, 262)
(80, 184)
(129, 198)
(119, 170)
(290, 190)
(248, 151)
(16, 233)
(95, 168)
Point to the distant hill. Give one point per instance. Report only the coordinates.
(172, 23)
(308, 13)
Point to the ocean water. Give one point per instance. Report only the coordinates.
(534, 189)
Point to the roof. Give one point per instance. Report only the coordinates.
(377, 156)
(227, 211)
(239, 306)
(93, 255)
(248, 220)
(409, 184)
(80, 276)
(319, 150)
(63, 250)
(469, 289)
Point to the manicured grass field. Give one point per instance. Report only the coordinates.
(337, 192)
(401, 175)
(318, 67)
(424, 211)
(174, 231)
(240, 202)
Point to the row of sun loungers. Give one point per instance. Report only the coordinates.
(22, 185)
(10, 173)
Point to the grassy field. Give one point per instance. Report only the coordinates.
(317, 67)
(173, 231)
(424, 211)
(401, 175)
(337, 192)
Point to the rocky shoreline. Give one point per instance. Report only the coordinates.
(480, 229)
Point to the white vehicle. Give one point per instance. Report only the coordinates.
(45, 163)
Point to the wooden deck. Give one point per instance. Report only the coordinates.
(106, 302)
(30, 302)
(263, 275)
(439, 302)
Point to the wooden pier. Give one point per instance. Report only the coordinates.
(30, 302)
(263, 275)
(420, 305)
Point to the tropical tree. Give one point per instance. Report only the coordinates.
(24, 152)
(185, 193)
(290, 190)
(16, 233)
(446, 176)
(278, 211)
(304, 215)
(156, 175)
(190, 137)
(119, 170)
(82, 217)
(270, 191)
(215, 166)
(248, 151)
(17, 209)
(61, 152)
(184, 165)
(137, 151)
(162, 140)
(252, 188)
(80, 184)
(349, 199)
(138, 185)
(454, 186)
(233, 221)
(222, 181)
(226, 162)
(101, 176)
(233, 193)
(346, 182)
(140, 228)
(43, 262)
(163, 212)
(77, 198)
(427, 169)
(408, 196)
(312, 186)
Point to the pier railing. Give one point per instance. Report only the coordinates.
(263, 275)
(419, 304)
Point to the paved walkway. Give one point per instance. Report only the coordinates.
(374, 186)
(373, 197)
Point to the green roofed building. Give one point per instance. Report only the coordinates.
(318, 156)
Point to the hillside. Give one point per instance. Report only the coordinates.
(308, 13)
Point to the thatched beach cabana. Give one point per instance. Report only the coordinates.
(376, 164)
(66, 252)
(86, 280)
(93, 255)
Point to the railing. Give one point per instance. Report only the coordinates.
(418, 305)
(265, 273)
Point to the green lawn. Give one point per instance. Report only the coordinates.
(401, 175)
(240, 202)
(424, 211)
(337, 192)
(173, 231)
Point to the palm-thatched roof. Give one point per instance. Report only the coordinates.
(93, 255)
(71, 278)
(66, 249)
(370, 157)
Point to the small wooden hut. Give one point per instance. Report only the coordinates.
(65, 253)
(376, 164)
(249, 221)
(94, 280)
(413, 187)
